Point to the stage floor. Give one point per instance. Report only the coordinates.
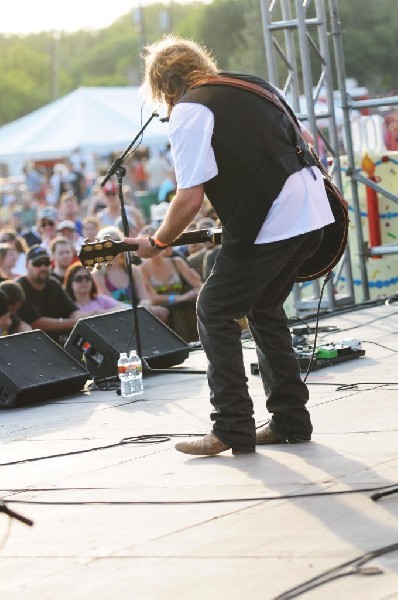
(141, 521)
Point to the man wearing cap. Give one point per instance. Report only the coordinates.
(47, 306)
(67, 229)
(45, 229)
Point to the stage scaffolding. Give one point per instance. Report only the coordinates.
(303, 48)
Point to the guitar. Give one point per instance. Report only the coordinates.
(103, 252)
(323, 261)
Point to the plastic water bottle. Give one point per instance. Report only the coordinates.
(135, 368)
(124, 373)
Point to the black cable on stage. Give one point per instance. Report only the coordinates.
(305, 495)
(353, 567)
(139, 439)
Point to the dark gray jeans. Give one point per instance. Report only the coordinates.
(254, 287)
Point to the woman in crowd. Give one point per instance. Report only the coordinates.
(90, 228)
(81, 288)
(114, 280)
(20, 246)
(170, 282)
(8, 260)
(16, 297)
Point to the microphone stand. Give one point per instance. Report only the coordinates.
(119, 170)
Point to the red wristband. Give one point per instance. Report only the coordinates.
(157, 244)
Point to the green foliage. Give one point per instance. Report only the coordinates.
(369, 38)
(34, 69)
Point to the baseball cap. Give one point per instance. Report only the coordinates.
(110, 188)
(37, 252)
(66, 224)
(47, 212)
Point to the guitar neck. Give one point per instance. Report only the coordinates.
(105, 251)
(199, 236)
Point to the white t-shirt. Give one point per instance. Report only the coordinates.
(302, 205)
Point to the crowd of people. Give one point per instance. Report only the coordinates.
(43, 226)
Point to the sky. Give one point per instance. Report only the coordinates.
(32, 16)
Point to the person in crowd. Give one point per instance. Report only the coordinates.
(262, 181)
(36, 182)
(81, 287)
(109, 215)
(10, 236)
(5, 317)
(137, 171)
(197, 252)
(62, 255)
(45, 229)
(170, 282)
(16, 297)
(68, 230)
(69, 210)
(90, 228)
(95, 200)
(47, 306)
(158, 169)
(57, 184)
(132, 226)
(8, 260)
(76, 181)
(114, 280)
(167, 188)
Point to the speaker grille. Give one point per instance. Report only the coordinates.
(99, 340)
(34, 368)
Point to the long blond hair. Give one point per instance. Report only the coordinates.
(172, 65)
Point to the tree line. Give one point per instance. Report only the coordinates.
(37, 68)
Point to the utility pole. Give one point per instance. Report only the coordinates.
(54, 63)
(139, 21)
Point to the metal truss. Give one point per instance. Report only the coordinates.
(296, 39)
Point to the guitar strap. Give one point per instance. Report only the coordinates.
(270, 97)
(251, 87)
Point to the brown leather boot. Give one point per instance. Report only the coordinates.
(265, 435)
(209, 445)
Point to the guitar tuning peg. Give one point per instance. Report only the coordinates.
(87, 240)
(89, 268)
(107, 237)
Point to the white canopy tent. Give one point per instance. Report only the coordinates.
(94, 121)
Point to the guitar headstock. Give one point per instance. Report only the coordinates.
(102, 252)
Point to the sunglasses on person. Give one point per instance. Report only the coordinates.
(80, 278)
(41, 263)
(47, 223)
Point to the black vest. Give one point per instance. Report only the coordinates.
(255, 147)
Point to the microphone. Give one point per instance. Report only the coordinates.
(165, 120)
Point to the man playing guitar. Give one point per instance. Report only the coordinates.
(255, 167)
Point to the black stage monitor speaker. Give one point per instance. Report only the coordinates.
(99, 340)
(34, 368)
